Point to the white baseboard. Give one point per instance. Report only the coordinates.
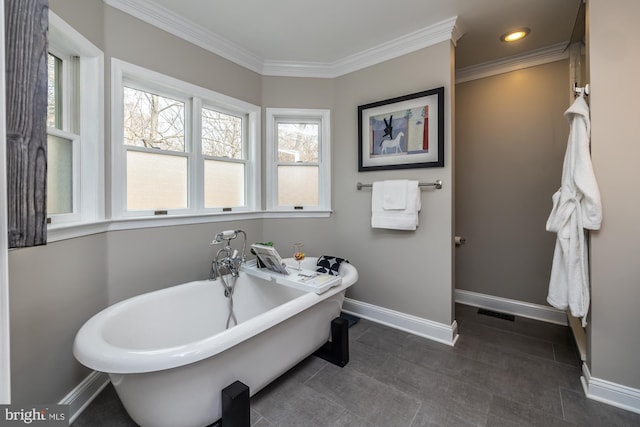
(84, 393)
(446, 334)
(518, 308)
(610, 393)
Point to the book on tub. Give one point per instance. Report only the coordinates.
(270, 258)
(288, 275)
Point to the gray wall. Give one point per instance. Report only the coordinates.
(145, 260)
(410, 272)
(511, 136)
(614, 336)
(53, 290)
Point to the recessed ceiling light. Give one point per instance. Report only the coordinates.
(514, 36)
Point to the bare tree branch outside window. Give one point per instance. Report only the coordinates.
(54, 116)
(221, 134)
(153, 121)
(298, 142)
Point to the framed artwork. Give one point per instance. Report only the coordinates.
(402, 133)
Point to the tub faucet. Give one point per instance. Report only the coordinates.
(227, 260)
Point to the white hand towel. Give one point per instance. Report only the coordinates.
(394, 194)
(405, 219)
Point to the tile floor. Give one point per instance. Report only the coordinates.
(500, 373)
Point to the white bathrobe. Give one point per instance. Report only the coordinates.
(576, 208)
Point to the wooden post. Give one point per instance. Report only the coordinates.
(26, 25)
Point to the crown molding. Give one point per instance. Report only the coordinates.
(425, 37)
(532, 58)
(164, 19)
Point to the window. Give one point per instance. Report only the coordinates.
(157, 162)
(75, 190)
(225, 163)
(180, 148)
(298, 164)
(62, 141)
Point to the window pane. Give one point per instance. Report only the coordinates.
(54, 90)
(298, 142)
(156, 181)
(223, 184)
(298, 185)
(221, 134)
(153, 121)
(59, 175)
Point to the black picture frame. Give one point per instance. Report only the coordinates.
(414, 138)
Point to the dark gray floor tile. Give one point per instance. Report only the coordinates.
(367, 360)
(261, 423)
(500, 373)
(590, 413)
(255, 418)
(434, 415)
(505, 412)
(348, 419)
(524, 378)
(510, 340)
(442, 359)
(366, 397)
(306, 369)
(288, 402)
(383, 338)
(438, 391)
(530, 390)
(477, 349)
(413, 379)
(105, 411)
(567, 353)
(541, 371)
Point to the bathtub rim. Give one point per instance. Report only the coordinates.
(90, 348)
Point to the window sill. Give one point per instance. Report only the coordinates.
(67, 231)
(60, 232)
(296, 213)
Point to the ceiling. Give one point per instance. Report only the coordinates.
(329, 32)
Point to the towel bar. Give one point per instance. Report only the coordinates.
(437, 185)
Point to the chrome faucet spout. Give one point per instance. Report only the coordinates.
(228, 260)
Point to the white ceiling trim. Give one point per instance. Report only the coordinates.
(532, 58)
(166, 20)
(425, 37)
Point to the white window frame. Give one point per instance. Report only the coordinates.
(82, 121)
(275, 115)
(127, 74)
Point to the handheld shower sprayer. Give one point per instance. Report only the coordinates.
(228, 261)
(227, 235)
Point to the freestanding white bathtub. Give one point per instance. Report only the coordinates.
(169, 356)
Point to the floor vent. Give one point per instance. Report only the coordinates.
(497, 314)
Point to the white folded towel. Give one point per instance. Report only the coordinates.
(394, 194)
(395, 219)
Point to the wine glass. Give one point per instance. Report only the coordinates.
(298, 255)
